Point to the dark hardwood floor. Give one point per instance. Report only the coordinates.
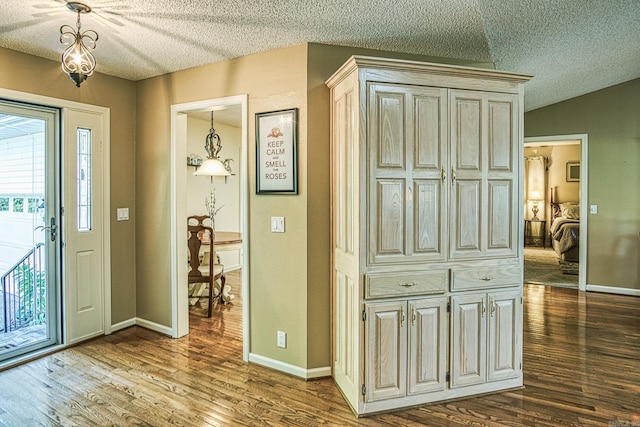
(581, 364)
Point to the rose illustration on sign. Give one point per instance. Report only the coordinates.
(275, 132)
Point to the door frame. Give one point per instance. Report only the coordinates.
(64, 105)
(179, 300)
(584, 192)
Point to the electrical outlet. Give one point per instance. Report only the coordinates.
(593, 209)
(282, 339)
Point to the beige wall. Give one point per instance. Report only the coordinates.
(39, 76)
(277, 262)
(610, 118)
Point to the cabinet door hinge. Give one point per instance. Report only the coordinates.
(364, 316)
(448, 376)
(364, 390)
(448, 307)
(520, 300)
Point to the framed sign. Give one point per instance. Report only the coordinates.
(276, 152)
(573, 171)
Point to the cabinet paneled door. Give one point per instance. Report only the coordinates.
(487, 337)
(407, 347)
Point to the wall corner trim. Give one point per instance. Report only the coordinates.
(124, 324)
(290, 369)
(166, 330)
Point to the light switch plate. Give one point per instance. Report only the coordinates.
(593, 209)
(123, 214)
(277, 224)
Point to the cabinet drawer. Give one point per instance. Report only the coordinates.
(400, 284)
(486, 277)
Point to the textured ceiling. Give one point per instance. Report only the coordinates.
(571, 46)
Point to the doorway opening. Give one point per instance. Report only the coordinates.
(190, 125)
(555, 210)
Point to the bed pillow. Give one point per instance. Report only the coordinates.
(570, 210)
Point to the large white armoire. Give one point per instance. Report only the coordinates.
(426, 231)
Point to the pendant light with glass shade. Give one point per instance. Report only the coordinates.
(212, 166)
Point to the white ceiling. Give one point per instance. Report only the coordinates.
(572, 47)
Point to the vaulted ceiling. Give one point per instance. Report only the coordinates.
(572, 47)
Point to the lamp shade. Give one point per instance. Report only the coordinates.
(535, 195)
(212, 167)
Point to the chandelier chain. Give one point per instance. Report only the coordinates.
(213, 144)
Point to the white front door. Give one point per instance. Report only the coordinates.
(84, 275)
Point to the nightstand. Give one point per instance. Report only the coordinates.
(535, 232)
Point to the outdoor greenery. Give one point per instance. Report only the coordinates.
(4, 204)
(32, 205)
(31, 299)
(18, 204)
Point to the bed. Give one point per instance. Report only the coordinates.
(565, 232)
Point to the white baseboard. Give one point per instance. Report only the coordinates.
(290, 369)
(141, 322)
(324, 372)
(614, 290)
(124, 324)
(154, 326)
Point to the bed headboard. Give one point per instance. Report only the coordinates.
(570, 210)
(555, 207)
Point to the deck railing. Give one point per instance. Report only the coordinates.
(23, 290)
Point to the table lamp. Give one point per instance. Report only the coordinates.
(535, 197)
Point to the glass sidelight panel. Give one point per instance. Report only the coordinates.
(84, 179)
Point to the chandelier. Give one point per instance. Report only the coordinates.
(212, 166)
(77, 60)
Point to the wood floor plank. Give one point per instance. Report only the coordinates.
(581, 368)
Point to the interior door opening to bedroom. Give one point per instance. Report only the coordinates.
(555, 210)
